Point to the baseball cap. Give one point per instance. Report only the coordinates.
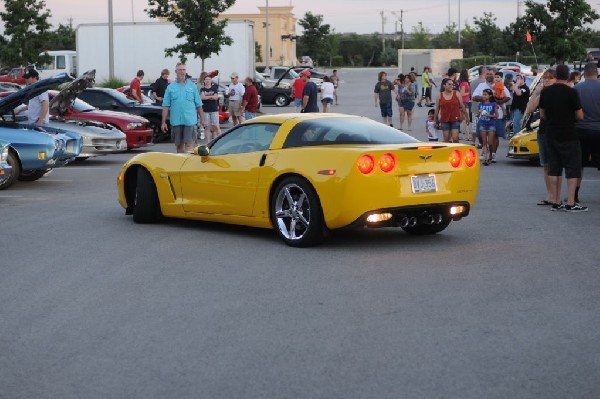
(234, 75)
(305, 73)
(31, 73)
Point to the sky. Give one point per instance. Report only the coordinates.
(360, 16)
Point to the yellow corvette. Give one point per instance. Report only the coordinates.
(306, 174)
(524, 145)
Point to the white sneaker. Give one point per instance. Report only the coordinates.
(481, 156)
(493, 157)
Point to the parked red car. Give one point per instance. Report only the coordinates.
(135, 127)
(15, 75)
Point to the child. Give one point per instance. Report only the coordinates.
(488, 113)
(431, 126)
(499, 89)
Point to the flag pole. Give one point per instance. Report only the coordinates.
(530, 41)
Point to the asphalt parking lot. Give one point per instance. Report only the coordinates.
(503, 303)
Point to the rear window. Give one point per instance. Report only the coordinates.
(324, 131)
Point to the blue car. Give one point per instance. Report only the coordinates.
(32, 153)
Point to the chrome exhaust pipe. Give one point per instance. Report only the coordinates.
(438, 218)
(412, 222)
(404, 222)
(430, 219)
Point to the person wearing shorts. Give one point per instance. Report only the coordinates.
(182, 104)
(560, 106)
(236, 91)
(209, 94)
(383, 95)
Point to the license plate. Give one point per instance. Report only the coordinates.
(423, 184)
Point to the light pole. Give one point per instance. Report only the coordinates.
(459, 23)
(401, 19)
(111, 50)
(268, 51)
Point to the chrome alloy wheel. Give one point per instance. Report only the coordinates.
(292, 211)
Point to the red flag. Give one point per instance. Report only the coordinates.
(528, 37)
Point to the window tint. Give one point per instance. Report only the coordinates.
(97, 99)
(344, 131)
(246, 138)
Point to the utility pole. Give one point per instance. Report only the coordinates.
(268, 49)
(458, 23)
(382, 31)
(111, 50)
(401, 19)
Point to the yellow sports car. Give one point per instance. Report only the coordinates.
(524, 145)
(306, 174)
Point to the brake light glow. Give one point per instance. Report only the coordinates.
(470, 157)
(387, 163)
(455, 158)
(365, 164)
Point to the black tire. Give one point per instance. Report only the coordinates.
(32, 175)
(146, 208)
(428, 229)
(296, 213)
(10, 177)
(158, 136)
(281, 100)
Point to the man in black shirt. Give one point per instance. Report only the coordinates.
(560, 108)
(520, 97)
(309, 94)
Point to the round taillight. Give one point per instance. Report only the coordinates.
(365, 164)
(470, 157)
(455, 158)
(387, 162)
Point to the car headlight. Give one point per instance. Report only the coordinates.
(134, 125)
(284, 85)
(4, 155)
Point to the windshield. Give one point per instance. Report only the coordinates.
(117, 95)
(82, 106)
(334, 130)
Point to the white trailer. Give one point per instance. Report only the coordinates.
(142, 46)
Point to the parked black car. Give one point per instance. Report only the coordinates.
(271, 92)
(113, 100)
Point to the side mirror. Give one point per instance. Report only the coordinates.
(202, 151)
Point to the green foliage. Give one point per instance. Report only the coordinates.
(196, 20)
(557, 27)
(114, 83)
(314, 36)
(26, 27)
(62, 38)
(258, 52)
(489, 35)
(448, 38)
(420, 37)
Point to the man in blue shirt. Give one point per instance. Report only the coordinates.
(309, 94)
(183, 105)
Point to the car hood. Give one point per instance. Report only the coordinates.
(63, 100)
(12, 101)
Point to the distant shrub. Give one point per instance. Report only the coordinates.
(113, 83)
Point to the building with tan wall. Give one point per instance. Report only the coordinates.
(282, 34)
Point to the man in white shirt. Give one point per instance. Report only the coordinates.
(38, 114)
(500, 123)
(236, 91)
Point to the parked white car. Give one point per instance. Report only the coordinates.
(521, 68)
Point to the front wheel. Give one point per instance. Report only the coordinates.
(10, 177)
(281, 101)
(146, 208)
(157, 134)
(32, 175)
(296, 213)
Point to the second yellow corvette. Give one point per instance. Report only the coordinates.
(305, 174)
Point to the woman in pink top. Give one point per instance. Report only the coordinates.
(465, 94)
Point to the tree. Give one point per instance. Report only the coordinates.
(196, 20)
(557, 27)
(26, 27)
(62, 38)
(448, 38)
(333, 46)
(468, 41)
(488, 34)
(258, 52)
(314, 37)
(420, 36)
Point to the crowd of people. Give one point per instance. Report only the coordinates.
(484, 108)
